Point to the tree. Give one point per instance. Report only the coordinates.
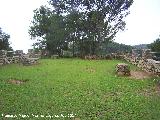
(40, 26)
(49, 29)
(101, 19)
(155, 46)
(73, 26)
(113, 47)
(4, 41)
(56, 38)
(84, 24)
(41, 22)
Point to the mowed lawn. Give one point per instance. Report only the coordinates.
(78, 90)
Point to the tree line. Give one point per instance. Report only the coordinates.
(155, 46)
(81, 26)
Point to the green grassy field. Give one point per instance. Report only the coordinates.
(89, 90)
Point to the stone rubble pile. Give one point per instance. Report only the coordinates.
(3, 57)
(34, 54)
(8, 57)
(122, 69)
(144, 61)
(150, 65)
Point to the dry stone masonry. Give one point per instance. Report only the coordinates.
(144, 60)
(3, 57)
(122, 69)
(8, 57)
(141, 58)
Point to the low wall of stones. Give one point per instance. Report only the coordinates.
(105, 57)
(145, 62)
(9, 57)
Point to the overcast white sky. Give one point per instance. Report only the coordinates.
(143, 23)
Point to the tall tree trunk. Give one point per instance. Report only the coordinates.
(82, 48)
(73, 51)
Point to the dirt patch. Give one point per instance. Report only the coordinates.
(146, 92)
(17, 82)
(90, 69)
(77, 119)
(150, 92)
(140, 75)
(157, 89)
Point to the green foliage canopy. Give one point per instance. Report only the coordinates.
(86, 24)
(4, 41)
(155, 46)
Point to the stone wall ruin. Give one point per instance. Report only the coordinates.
(144, 61)
(9, 57)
